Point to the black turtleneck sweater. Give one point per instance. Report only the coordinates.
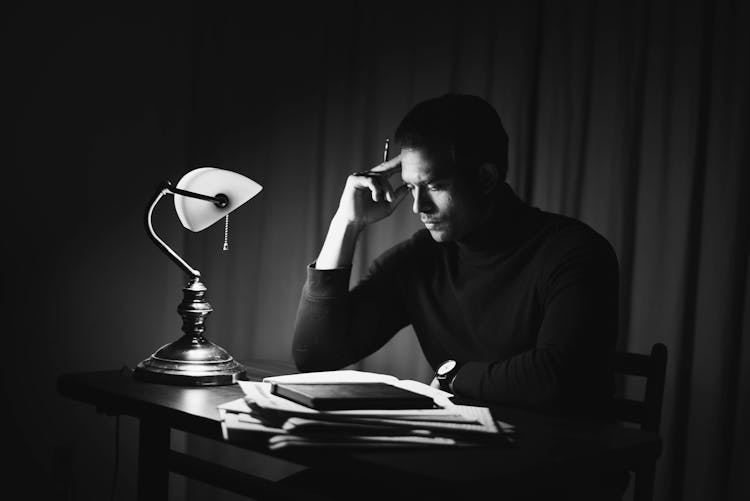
(528, 308)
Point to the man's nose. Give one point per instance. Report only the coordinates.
(422, 202)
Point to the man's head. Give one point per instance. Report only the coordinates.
(454, 156)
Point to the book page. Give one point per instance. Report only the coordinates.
(282, 441)
(341, 376)
(440, 397)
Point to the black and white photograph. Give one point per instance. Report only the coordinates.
(377, 250)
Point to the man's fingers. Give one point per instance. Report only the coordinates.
(399, 194)
(389, 166)
(394, 197)
(384, 170)
(381, 190)
(388, 190)
(376, 191)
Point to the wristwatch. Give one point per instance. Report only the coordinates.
(445, 374)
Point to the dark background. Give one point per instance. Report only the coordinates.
(630, 115)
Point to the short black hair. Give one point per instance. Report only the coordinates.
(468, 126)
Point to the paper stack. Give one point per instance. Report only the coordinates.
(284, 423)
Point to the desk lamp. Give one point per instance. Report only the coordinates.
(202, 197)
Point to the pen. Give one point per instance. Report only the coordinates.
(371, 173)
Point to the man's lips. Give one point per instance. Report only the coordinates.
(431, 222)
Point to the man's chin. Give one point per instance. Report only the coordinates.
(440, 236)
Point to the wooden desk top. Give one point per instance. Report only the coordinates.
(544, 443)
(192, 409)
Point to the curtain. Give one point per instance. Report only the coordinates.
(629, 115)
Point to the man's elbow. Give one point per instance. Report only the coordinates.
(303, 360)
(546, 397)
(315, 359)
(567, 394)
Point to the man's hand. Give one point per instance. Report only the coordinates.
(369, 197)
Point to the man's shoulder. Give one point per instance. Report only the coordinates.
(565, 234)
(570, 227)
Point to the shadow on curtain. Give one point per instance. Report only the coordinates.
(631, 116)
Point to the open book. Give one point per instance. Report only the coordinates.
(261, 395)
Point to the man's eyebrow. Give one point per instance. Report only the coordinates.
(430, 180)
(435, 180)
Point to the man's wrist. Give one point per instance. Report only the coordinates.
(446, 374)
(338, 248)
(344, 224)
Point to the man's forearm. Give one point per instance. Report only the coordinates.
(338, 248)
(336, 326)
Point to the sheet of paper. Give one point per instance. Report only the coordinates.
(233, 425)
(479, 421)
(236, 417)
(239, 405)
(441, 397)
(282, 441)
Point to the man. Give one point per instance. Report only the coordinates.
(521, 301)
(524, 301)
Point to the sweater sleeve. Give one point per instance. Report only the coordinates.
(335, 326)
(567, 368)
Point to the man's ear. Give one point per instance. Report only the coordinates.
(488, 177)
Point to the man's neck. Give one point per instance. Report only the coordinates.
(501, 224)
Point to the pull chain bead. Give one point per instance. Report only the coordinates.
(226, 232)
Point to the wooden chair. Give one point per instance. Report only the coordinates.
(644, 413)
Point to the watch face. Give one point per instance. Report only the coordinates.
(446, 367)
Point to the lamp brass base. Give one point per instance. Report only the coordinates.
(192, 360)
(183, 363)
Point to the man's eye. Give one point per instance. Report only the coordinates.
(427, 187)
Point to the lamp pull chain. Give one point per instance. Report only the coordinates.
(226, 232)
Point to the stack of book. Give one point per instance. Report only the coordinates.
(356, 409)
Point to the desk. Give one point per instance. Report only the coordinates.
(546, 446)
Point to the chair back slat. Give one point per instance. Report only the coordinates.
(632, 364)
(645, 413)
(655, 388)
(629, 411)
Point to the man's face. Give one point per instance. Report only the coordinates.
(448, 204)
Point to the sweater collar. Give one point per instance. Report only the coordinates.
(509, 222)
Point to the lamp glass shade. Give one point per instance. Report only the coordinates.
(197, 215)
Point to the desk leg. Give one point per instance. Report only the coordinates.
(153, 472)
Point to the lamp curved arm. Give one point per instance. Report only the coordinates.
(163, 190)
